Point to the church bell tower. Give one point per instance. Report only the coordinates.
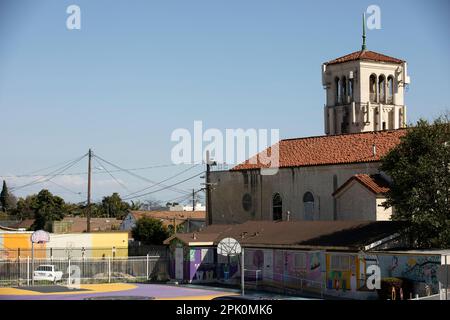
(364, 92)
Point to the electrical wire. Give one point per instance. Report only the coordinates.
(30, 175)
(165, 188)
(118, 182)
(165, 180)
(51, 175)
(140, 177)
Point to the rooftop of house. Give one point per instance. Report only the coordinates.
(170, 215)
(328, 150)
(375, 183)
(331, 235)
(365, 55)
(79, 224)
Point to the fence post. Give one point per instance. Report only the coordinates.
(109, 269)
(147, 267)
(28, 270)
(70, 271)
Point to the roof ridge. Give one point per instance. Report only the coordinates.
(346, 134)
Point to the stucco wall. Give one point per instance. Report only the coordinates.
(291, 183)
(356, 203)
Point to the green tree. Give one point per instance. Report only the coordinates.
(420, 171)
(24, 208)
(47, 208)
(170, 229)
(150, 231)
(7, 200)
(113, 206)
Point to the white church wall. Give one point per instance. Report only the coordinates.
(291, 183)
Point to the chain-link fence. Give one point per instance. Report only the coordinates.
(25, 271)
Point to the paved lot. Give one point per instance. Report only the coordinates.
(113, 290)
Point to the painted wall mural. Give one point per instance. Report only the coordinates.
(418, 268)
(97, 245)
(341, 273)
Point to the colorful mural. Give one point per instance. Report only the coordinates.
(340, 273)
(418, 268)
(96, 245)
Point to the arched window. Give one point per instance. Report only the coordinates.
(308, 205)
(373, 88)
(382, 88)
(344, 90)
(277, 207)
(350, 89)
(390, 90)
(338, 97)
(247, 202)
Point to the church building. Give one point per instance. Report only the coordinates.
(331, 177)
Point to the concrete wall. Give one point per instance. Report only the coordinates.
(356, 203)
(291, 183)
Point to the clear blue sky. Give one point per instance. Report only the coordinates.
(137, 70)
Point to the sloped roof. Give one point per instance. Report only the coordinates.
(339, 235)
(170, 215)
(374, 183)
(26, 224)
(365, 55)
(327, 150)
(79, 224)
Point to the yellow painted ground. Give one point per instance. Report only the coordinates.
(205, 297)
(93, 288)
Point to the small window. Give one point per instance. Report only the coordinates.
(390, 90)
(277, 207)
(337, 84)
(373, 88)
(382, 88)
(308, 205)
(344, 98)
(247, 203)
(350, 89)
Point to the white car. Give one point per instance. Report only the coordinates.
(48, 273)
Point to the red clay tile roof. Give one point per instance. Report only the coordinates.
(374, 183)
(327, 150)
(365, 55)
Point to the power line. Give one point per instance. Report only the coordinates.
(51, 175)
(139, 176)
(165, 180)
(30, 175)
(65, 188)
(165, 188)
(118, 182)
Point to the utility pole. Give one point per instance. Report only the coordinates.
(88, 213)
(193, 200)
(208, 191)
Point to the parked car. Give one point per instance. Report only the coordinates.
(47, 273)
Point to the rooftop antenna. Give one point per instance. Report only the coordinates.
(363, 48)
